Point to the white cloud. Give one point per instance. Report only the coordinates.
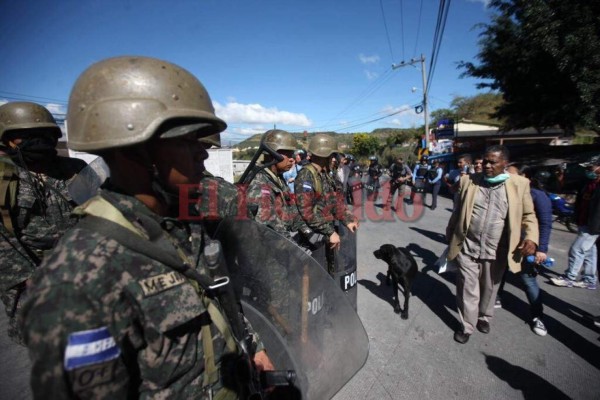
(234, 112)
(56, 108)
(247, 131)
(374, 59)
(371, 75)
(406, 118)
(485, 3)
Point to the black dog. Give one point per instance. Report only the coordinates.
(402, 268)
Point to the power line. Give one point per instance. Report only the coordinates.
(377, 119)
(418, 28)
(367, 92)
(402, 27)
(437, 39)
(22, 96)
(328, 126)
(387, 34)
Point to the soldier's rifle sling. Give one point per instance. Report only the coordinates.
(156, 249)
(33, 259)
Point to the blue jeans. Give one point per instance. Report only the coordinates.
(532, 290)
(583, 252)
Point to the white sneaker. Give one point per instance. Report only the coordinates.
(539, 328)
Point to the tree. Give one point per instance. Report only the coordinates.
(544, 56)
(364, 144)
(480, 107)
(441, 113)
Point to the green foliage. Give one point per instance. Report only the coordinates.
(480, 107)
(441, 113)
(544, 56)
(389, 154)
(364, 144)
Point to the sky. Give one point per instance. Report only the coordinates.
(309, 65)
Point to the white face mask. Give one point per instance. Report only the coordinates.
(498, 178)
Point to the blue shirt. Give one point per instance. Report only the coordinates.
(543, 213)
(292, 173)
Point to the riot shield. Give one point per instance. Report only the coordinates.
(304, 319)
(343, 269)
(87, 182)
(344, 272)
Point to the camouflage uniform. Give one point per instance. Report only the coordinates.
(109, 315)
(270, 203)
(39, 217)
(214, 200)
(217, 198)
(320, 203)
(104, 321)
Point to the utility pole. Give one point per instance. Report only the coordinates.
(412, 62)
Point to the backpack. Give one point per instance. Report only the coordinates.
(8, 191)
(318, 184)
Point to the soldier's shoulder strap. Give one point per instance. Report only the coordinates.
(103, 217)
(316, 179)
(8, 191)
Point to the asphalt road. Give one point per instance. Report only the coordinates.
(418, 358)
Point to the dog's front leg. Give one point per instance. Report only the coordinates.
(406, 287)
(396, 300)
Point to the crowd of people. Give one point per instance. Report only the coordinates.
(501, 221)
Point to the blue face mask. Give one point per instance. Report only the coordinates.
(591, 175)
(497, 179)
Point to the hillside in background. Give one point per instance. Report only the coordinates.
(344, 139)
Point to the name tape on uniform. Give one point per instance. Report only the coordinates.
(159, 283)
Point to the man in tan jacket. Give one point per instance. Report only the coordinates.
(493, 224)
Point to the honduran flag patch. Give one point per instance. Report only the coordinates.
(307, 187)
(90, 347)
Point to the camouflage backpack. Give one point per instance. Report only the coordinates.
(315, 174)
(8, 190)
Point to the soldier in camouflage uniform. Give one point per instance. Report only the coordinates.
(122, 308)
(215, 198)
(320, 201)
(268, 197)
(35, 202)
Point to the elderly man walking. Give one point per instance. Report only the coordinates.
(484, 233)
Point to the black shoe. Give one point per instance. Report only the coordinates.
(483, 326)
(461, 337)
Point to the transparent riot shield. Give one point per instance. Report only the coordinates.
(87, 182)
(302, 316)
(345, 264)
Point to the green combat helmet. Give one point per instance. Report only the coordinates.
(22, 115)
(322, 145)
(276, 140)
(123, 101)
